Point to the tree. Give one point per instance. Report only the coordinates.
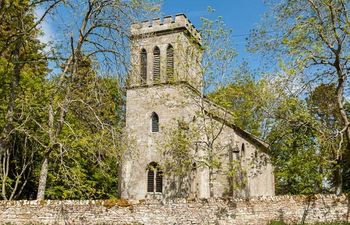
(323, 106)
(247, 99)
(198, 144)
(101, 35)
(22, 93)
(300, 165)
(312, 38)
(216, 66)
(90, 139)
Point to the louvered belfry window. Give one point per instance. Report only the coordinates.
(170, 62)
(155, 122)
(143, 72)
(156, 64)
(159, 181)
(150, 179)
(154, 178)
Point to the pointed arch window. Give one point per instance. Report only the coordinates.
(150, 179)
(156, 64)
(155, 122)
(154, 178)
(159, 181)
(243, 150)
(143, 69)
(170, 61)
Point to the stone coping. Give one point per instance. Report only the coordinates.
(124, 203)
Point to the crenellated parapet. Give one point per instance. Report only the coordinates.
(166, 25)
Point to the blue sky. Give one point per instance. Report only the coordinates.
(239, 15)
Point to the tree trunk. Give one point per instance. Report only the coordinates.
(340, 103)
(45, 163)
(338, 179)
(5, 164)
(211, 184)
(8, 127)
(42, 178)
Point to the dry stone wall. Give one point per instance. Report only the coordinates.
(257, 211)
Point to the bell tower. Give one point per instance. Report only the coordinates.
(165, 51)
(165, 57)
(162, 97)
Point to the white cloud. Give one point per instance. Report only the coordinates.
(48, 35)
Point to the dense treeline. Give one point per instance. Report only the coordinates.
(302, 133)
(61, 126)
(300, 104)
(61, 112)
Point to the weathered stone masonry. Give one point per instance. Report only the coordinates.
(155, 97)
(256, 211)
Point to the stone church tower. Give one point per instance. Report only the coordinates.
(163, 88)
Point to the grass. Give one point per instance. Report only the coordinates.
(330, 223)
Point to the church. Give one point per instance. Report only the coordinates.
(163, 99)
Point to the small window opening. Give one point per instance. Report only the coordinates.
(243, 150)
(170, 62)
(156, 64)
(143, 69)
(155, 122)
(154, 178)
(150, 180)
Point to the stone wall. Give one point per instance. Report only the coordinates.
(318, 208)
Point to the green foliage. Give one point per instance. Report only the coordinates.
(299, 164)
(306, 131)
(22, 96)
(246, 98)
(86, 164)
(322, 104)
(300, 132)
(310, 41)
(179, 149)
(85, 153)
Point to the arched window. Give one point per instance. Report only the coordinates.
(159, 181)
(155, 122)
(170, 61)
(156, 64)
(150, 179)
(143, 69)
(154, 178)
(243, 150)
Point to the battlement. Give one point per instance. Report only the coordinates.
(168, 23)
